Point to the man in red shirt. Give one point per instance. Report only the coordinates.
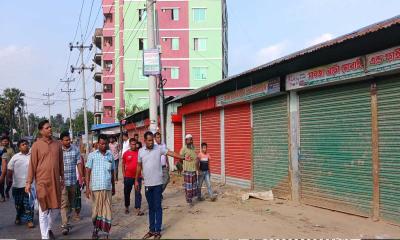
(129, 165)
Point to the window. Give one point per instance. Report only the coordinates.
(199, 14)
(108, 110)
(200, 73)
(108, 41)
(108, 18)
(141, 76)
(174, 73)
(142, 44)
(107, 88)
(142, 14)
(108, 65)
(175, 14)
(200, 44)
(175, 43)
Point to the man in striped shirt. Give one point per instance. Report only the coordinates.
(72, 159)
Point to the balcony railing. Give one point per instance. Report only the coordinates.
(97, 77)
(97, 38)
(97, 58)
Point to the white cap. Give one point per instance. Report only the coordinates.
(188, 136)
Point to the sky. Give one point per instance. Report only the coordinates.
(34, 53)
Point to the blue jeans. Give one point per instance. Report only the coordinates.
(128, 185)
(204, 176)
(153, 196)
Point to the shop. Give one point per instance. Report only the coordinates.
(349, 115)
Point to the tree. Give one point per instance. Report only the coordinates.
(134, 109)
(11, 104)
(58, 124)
(78, 122)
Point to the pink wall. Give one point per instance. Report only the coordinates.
(183, 80)
(108, 2)
(183, 52)
(121, 55)
(168, 93)
(164, 18)
(108, 76)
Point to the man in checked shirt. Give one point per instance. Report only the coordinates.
(72, 158)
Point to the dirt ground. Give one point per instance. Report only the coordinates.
(228, 217)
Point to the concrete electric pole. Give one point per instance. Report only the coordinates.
(152, 79)
(48, 103)
(69, 91)
(82, 69)
(27, 119)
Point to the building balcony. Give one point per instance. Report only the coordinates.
(98, 113)
(97, 95)
(97, 76)
(98, 58)
(98, 35)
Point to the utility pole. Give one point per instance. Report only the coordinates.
(152, 79)
(82, 69)
(27, 119)
(69, 91)
(48, 103)
(161, 84)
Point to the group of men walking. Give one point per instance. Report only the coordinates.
(54, 173)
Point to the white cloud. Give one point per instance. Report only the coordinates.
(320, 39)
(272, 52)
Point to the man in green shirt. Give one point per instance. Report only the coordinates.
(189, 169)
(7, 154)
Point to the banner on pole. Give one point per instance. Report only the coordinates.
(151, 62)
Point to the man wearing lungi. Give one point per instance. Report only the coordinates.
(189, 169)
(100, 186)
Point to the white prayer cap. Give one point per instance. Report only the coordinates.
(188, 136)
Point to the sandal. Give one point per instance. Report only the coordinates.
(148, 235)
(157, 235)
(140, 213)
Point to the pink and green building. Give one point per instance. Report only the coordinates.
(193, 42)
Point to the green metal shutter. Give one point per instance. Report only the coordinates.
(335, 148)
(270, 146)
(389, 148)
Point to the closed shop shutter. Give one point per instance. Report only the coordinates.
(389, 148)
(210, 134)
(192, 126)
(270, 146)
(335, 145)
(177, 139)
(238, 145)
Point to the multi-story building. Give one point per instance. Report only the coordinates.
(192, 36)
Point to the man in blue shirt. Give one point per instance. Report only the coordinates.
(100, 186)
(72, 158)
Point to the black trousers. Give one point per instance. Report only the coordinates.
(7, 189)
(128, 185)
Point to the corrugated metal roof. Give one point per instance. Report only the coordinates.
(103, 126)
(336, 41)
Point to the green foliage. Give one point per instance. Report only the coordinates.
(78, 122)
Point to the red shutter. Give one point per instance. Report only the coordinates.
(177, 138)
(210, 134)
(192, 126)
(238, 142)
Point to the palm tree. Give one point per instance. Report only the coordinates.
(12, 103)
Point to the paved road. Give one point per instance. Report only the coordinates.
(8, 229)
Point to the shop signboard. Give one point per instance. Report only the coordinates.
(384, 61)
(378, 62)
(250, 93)
(330, 73)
